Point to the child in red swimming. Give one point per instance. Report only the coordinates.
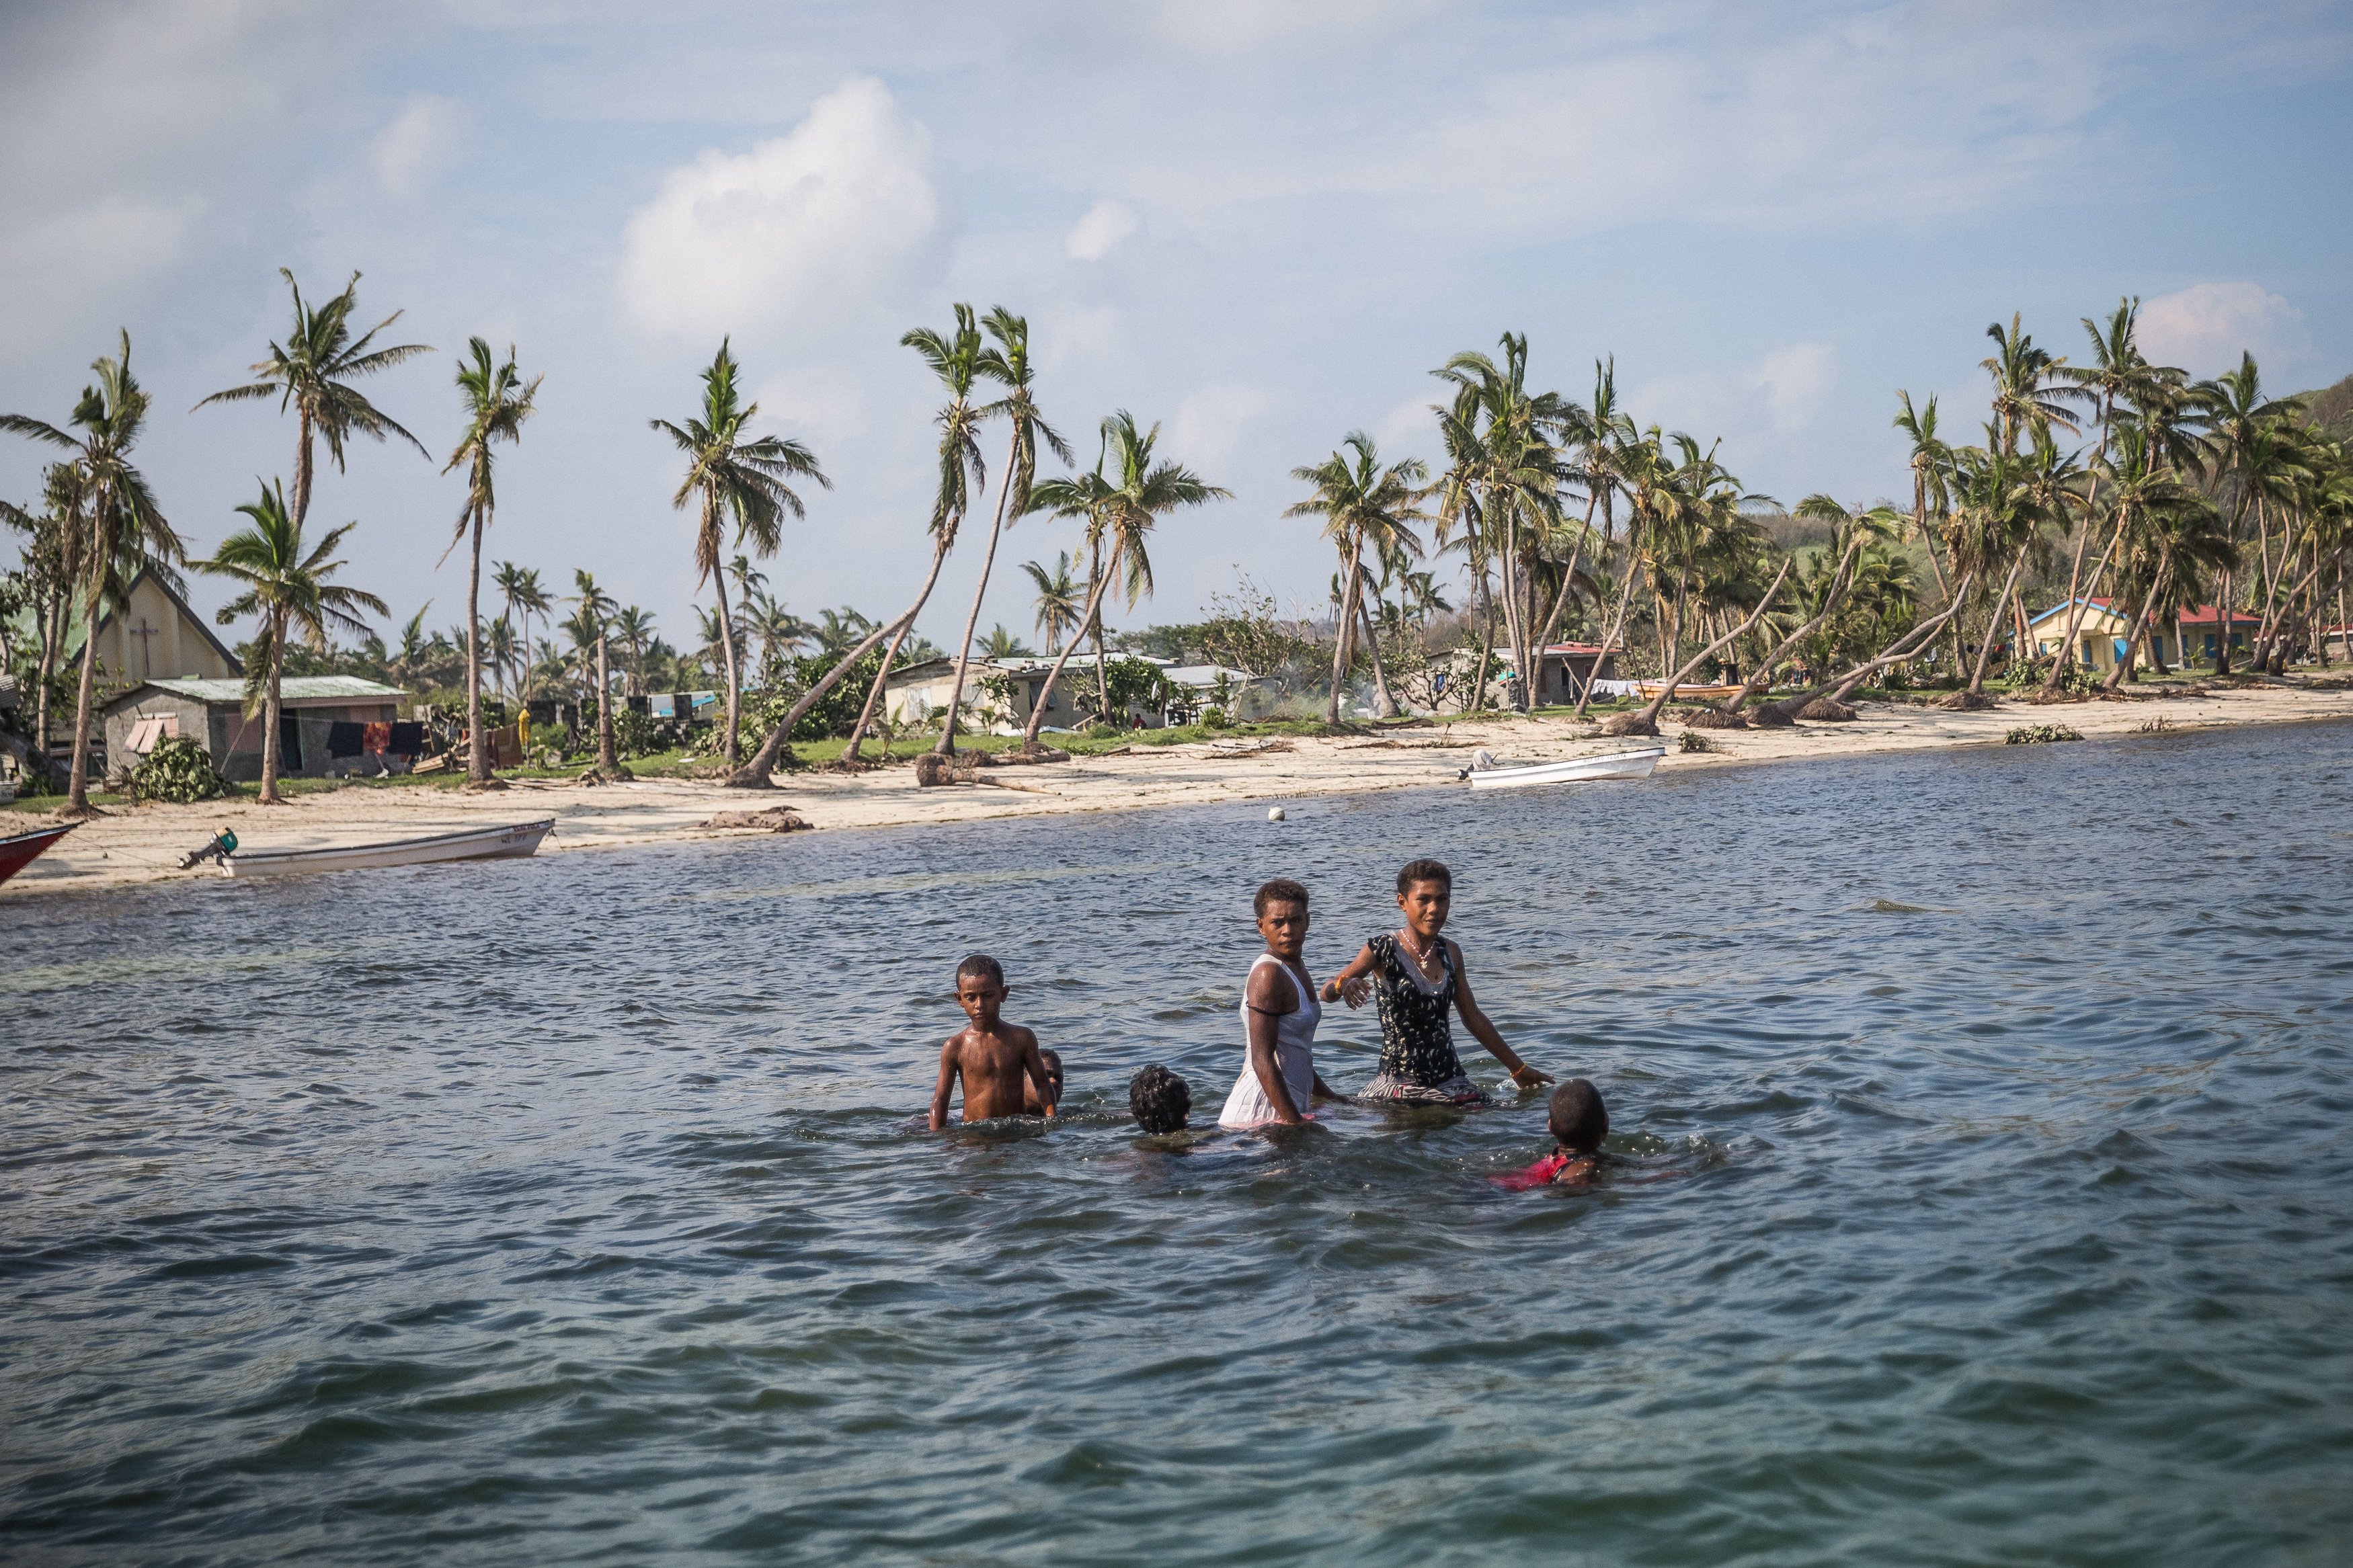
(1579, 1122)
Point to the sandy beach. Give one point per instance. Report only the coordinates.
(144, 844)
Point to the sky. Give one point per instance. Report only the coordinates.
(1260, 224)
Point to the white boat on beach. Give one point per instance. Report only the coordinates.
(510, 841)
(1575, 770)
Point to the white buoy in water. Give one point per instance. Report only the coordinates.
(1274, 814)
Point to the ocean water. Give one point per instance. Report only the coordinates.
(1982, 1192)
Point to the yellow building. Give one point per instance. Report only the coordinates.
(159, 638)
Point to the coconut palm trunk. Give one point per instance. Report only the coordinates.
(1344, 635)
(728, 746)
(979, 592)
(608, 761)
(1761, 678)
(2123, 671)
(479, 755)
(1045, 693)
(77, 777)
(2000, 607)
(1908, 645)
(1385, 706)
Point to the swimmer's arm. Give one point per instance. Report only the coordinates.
(1350, 986)
(945, 1087)
(1035, 1065)
(1266, 1002)
(1487, 1034)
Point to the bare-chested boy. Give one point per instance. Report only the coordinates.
(996, 1060)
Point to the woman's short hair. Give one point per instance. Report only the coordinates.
(1159, 1099)
(1424, 871)
(1281, 891)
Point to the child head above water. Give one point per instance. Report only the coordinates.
(1160, 1100)
(1578, 1119)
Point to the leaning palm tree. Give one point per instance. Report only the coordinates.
(311, 372)
(1931, 462)
(740, 475)
(1363, 506)
(957, 359)
(126, 529)
(2116, 374)
(1008, 364)
(2238, 418)
(1060, 599)
(1119, 519)
(288, 588)
(497, 402)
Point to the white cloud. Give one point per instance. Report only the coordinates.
(423, 140)
(1779, 395)
(1240, 26)
(2205, 327)
(807, 232)
(1208, 432)
(1097, 234)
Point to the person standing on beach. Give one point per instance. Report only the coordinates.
(1279, 1017)
(1419, 977)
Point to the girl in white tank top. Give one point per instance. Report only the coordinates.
(1294, 1055)
(1282, 920)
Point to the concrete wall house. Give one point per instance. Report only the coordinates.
(2105, 623)
(331, 726)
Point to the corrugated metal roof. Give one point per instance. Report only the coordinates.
(292, 688)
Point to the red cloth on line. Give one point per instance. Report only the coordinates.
(375, 738)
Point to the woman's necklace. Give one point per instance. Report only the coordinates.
(1420, 959)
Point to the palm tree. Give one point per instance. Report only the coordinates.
(520, 587)
(2170, 533)
(636, 629)
(2238, 419)
(2116, 374)
(1008, 364)
(1363, 505)
(126, 528)
(1932, 470)
(288, 589)
(52, 569)
(311, 372)
(2023, 376)
(1002, 643)
(957, 359)
(498, 646)
(744, 475)
(1999, 518)
(1119, 519)
(496, 402)
(1060, 599)
(1655, 500)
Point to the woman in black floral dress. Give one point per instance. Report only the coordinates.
(1416, 976)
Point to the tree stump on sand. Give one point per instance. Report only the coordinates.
(1714, 719)
(1630, 724)
(932, 769)
(775, 819)
(475, 786)
(1770, 716)
(1822, 710)
(1968, 702)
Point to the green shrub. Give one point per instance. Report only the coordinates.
(1694, 741)
(1213, 717)
(176, 771)
(2039, 734)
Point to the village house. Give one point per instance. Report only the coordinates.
(2106, 622)
(329, 726)
(1563, 670)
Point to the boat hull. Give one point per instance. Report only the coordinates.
(509, 842)
(19, 851)
(1576, 770)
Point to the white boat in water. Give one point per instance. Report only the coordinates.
(1575, 770)
(512, 841)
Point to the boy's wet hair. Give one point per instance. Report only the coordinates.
(980, 966)
(1578, 1119)
(1159, 1099)
(1281, 891)
(1424, 871)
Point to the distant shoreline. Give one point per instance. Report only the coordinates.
(141, 846)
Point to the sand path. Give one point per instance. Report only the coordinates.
(143, 844)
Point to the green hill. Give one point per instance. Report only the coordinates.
(2331, 408)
